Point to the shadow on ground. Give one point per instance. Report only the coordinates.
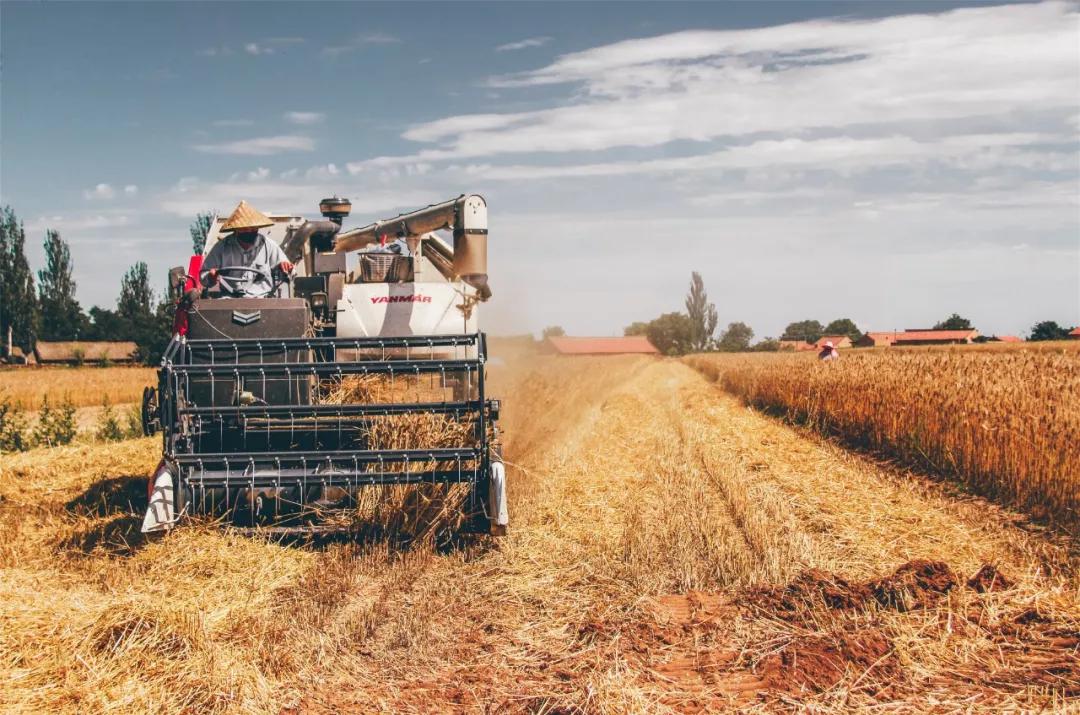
(111, 513)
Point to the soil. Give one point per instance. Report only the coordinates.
(914, 585)
(688, 646)
(989, 579)
(818, 663)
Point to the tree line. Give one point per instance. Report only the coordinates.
(47, 309)
(695, 329)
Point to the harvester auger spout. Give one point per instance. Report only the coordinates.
(357, 402)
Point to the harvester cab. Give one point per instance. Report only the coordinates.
(357, 386)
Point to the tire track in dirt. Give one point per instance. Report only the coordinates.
(644, 501)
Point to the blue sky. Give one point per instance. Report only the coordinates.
(889, 162)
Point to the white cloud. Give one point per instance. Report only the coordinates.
(304, 118)
(837, 154)
(523, 44)
(131, 189)
(233, 122)
(101, 191)
(326, 171)
(266, 46)
(823, 75)
(189, 196)
(260, 146)
(71, 224)
(361, 41)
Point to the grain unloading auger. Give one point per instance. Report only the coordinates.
(287, 413)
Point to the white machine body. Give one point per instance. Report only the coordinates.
(396, 309)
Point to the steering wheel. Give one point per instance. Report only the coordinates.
(276, 277)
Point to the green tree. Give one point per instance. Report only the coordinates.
(135, 304)
(55, 424)
(153, 341)
(108, 426)
(139, 317)
(106, 324)
(18, 303)
(766, 345)
(13, 437)
(5, 278)
(843, 326)
(701, 312)
(808, 330)
(672, 333)
(199, 229)
(736, 338)
(553, 331)
(61, 316)
(954, 322)
(1048, 330)
(636, 328)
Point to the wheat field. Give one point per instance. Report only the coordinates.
(1004, 422)
(670, 551)
(27, 387)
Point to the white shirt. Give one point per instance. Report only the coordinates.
(263, 256)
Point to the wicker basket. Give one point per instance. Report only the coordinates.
(385, 268)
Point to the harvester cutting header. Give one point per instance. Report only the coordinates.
(315, 372)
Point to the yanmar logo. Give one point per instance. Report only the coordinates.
(401, 299)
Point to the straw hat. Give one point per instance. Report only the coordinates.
(245, 216)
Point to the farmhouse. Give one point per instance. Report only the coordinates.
(631, 344)
(877, 340)
(796, 346)
(1074, 334)
(936, 337)
(16, 356)
(838, 341)
(76, 351)
(918, 337)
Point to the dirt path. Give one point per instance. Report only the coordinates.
(670, 550)
(638, 483)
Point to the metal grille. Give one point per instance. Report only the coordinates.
(244, 415)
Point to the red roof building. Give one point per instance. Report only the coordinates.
(77, 352)
(796, 346)
(1009, 339)
(628, 345)
(838, 341)
(877, 340)
(918, 337)
(936, 337)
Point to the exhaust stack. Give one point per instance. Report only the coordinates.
(335, 209)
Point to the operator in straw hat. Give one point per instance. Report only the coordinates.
(243, 261)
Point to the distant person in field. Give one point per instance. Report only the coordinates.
(828, 352)
(245, 247)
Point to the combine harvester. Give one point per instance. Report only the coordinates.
(276, 413)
